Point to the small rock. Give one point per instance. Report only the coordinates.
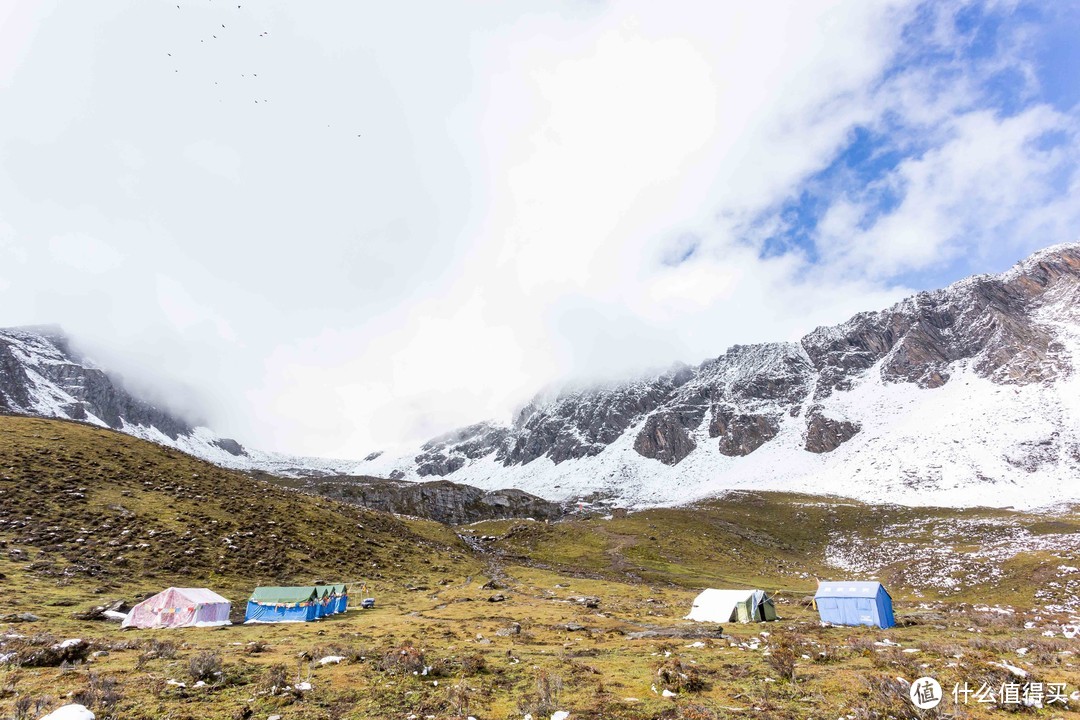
(497, 597)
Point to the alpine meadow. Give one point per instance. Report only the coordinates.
(594, 359)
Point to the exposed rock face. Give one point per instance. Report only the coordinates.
(992, 324)
(825, 434)
(582, 422)
(664, 438)
(741, 434)
(440, 500)
(230, 446)
(41, 374)
(468, 443)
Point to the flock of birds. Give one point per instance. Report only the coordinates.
(244, 75)
(213, 36)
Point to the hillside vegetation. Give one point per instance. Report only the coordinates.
(515, 617)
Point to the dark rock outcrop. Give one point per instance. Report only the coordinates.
(742, 433)
(439, 500)
(825, 434)
(664, 438)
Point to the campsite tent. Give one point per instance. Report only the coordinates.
(282, 604)
(342, 603)
(714, 605)
(854, 603)
(180, 607)
(322, 600)
(337, 599)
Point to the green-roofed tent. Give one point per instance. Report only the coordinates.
(322, 598)
(282, 604)
(338, 598)
(330, 597)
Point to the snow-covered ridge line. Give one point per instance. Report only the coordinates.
(963, 396)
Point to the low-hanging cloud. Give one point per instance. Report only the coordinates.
(328, 227)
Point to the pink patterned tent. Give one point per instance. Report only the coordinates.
(180, 607)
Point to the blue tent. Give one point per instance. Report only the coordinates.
(282, 604)
(341, 603)
(855, 603)
(322, 600)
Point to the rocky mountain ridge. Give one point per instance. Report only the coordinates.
(43, 374)
(809, 406)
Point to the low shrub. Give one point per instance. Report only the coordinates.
(206, 666)
(677, 676)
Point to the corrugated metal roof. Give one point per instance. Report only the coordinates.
(848, 588)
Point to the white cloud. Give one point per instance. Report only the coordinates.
(349, 224)
(84, 253)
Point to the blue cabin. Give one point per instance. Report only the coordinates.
(855, 603)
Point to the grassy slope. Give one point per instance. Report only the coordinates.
(97, 509)
(781, 542)
(645, 569)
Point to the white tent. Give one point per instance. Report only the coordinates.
(180, 607)
(720, 606)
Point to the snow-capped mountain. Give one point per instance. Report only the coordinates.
(963, 396)
(42, 374)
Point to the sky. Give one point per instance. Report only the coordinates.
(333, 226)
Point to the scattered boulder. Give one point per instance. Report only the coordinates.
(497, 597)
(19, 618)
(512, 629)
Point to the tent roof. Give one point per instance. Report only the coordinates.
(269, 594)
(201, 595)
(711, 603)
(339, 588)
(849, 589)
(197, 596)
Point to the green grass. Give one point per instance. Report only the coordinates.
(487, 659)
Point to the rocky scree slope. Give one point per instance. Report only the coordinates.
(966, 395)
